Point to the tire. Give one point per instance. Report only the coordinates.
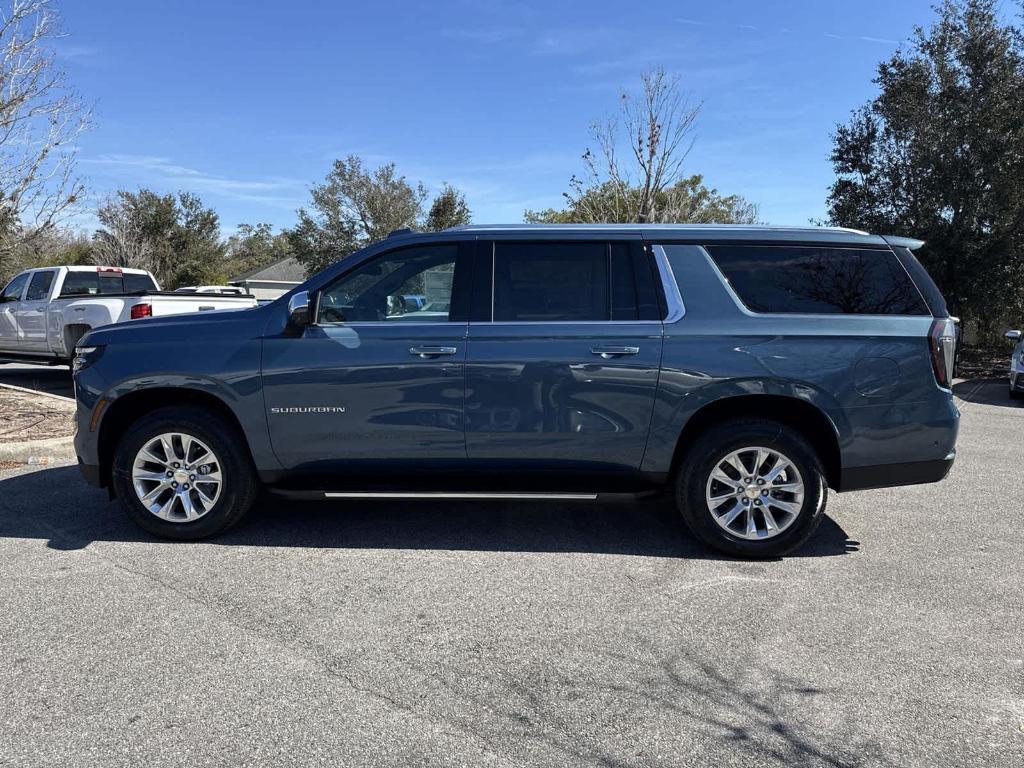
(232, 494)
(694, 487)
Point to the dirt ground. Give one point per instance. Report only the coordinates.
(33, 417)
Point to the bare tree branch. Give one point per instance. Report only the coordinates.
(40, 120)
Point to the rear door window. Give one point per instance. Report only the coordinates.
(815, 280)
(551, 282)
(566, 282)
(40, 285)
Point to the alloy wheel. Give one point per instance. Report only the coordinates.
(755, 493)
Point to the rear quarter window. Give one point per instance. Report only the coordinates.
(820, 281)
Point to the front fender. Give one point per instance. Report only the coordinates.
(221, 366)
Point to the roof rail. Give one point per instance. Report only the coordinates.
(400, 231)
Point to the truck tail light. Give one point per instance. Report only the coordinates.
(116, 270)
(142, 310)
(942, 345)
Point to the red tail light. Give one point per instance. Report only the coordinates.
(941, 344)
(142, 310)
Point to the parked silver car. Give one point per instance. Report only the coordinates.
(1016, 365)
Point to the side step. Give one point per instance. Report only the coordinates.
(458, 495)
(308, 495)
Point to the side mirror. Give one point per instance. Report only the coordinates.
(298, 310)
(1013, 335)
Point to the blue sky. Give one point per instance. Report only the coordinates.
(247, 103)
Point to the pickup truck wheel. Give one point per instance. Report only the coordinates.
(179, 473)
(751, 488)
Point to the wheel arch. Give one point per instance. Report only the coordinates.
(810, 421)
(128, 408)
(71, 334)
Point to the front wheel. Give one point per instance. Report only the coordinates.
(183, 473)
(751, 488)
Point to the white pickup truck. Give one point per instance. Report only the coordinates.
(44, 312)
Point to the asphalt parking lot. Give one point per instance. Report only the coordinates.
(521, 634)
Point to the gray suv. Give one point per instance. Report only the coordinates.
(743, 370)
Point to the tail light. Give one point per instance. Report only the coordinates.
(142, 310)
(942, 345)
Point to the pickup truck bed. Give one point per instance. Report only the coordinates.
(44, 312)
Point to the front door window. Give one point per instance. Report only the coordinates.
(409, 285)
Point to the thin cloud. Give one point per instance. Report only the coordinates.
(162, 171)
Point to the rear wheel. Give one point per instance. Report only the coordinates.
(180, 473)
(751, 488)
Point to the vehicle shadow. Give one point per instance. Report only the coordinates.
(56, 505)
(986, 391)
(53, 380)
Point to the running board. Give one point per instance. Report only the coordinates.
(459, 495)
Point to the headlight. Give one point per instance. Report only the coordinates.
(1020, 357)
(84, 357)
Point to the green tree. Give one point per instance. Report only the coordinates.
(254, 246)
(196, 244)
(686, 201)
(448, 210)
(177, 238)
(939, 155)
(635, 171)
(355, 207)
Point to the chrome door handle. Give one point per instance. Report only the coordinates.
(609, 352)
(40, 309)
(432, 351)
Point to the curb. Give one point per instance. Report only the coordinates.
(49, 451)
(52, 450)
(28, 391)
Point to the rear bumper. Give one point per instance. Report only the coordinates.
(890, 475)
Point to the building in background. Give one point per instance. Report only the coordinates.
(273, 280)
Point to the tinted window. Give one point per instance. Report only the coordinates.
(40, 286)
(80, 284)
(110, 282)
(412, 284)
(932, 295)
(551, 282)
(623, 277)
(138, 283)
(814, 280)
(14, 288)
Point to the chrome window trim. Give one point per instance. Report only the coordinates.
(536, 323)
(673, 298)
(389, 323)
